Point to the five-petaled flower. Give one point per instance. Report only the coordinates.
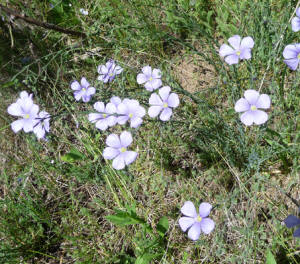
(42, 124)
(292, 221)
(291, 53)
(196, 222)
(250, 105)
(108, 71)
(164, 102)
(117, 150)
(296, 21)
(82, 90)
(130, 110)
(238, 50)
(106, 116)
(27, 110)
(150, 79)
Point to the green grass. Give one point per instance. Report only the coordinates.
(56, 207)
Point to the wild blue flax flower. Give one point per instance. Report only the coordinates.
(108, 71)
(106, 116)
(117, 150)
(296, 21)
(291, 53)
(150, 79)
(239, 49)
(82, 90)
(27, 110)
(250, 106)
(164, 102)
(130, 110)
(196, 223)
(292, 221)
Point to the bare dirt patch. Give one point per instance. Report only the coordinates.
(193, 72)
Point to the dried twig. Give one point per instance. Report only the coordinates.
(29, 20)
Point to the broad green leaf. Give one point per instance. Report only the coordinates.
(72, 156)
(163, 226)
(270, 258)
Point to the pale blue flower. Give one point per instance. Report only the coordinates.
(117, 150)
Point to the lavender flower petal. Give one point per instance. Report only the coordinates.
(259, 117)
(136, 122)
(194, 231)
(17, 125)
(113, 141)
(141, 78)
(207, 225)
(154, 111)
(235, 41)
(251, 96)
(296, 24)
(102, 124)
(110, 153)
(241, 105)
(155, 100)
(115, 100)
(188, 209)
(185, 223)
(292, 63)
(118, 162)
(247, 43)
(166, 114)
(232, 59)
(173, 100)
(245, 54)
(125, 139)
(247, 118)
(147, 70)
(129, 157)
(204, 209)
(290, 52)
(156, 73)
(226, 50)
(84, 83)
(263, 101)
(75, 86)
(298, 11)
(15, 109)
(164, 92)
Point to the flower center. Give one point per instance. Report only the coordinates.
(130, 115)
(104, 115)
(253, 108)
(199, 218)
(298, 56)
(83, 89)
(26, 116)
(151, 78)
(165, 105)
(123, 150)
(111, 74)
(238, 53)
